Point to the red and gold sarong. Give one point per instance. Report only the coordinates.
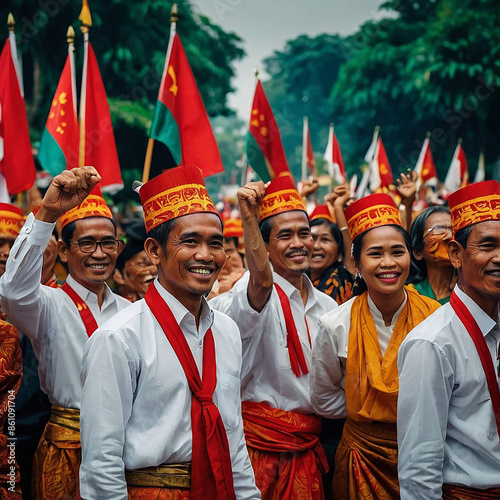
(57, 460)
(456, 492)
(285, 452)
(366, 462)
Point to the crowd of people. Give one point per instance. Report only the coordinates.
(346, 352)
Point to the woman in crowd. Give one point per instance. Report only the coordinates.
(354, 369)
(432, 272)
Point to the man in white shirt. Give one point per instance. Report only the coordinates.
(59, 321)
(277, 310)
(161, 405)
(449, 400)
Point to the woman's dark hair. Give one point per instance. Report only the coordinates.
(357, 245)
(334, 231)
(418, 269)
(68, 231)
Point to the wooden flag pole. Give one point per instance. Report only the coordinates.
(174, 17)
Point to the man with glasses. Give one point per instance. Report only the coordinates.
(60, 321)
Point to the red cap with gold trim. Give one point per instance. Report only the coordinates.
(11, 220)
(233, 228)
(281, 196)
(371, 211)
(92, 206)
(321, 212)
(176, 192)
(478, 202)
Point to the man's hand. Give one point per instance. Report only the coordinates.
(407, 187)
(249, 198)
(66, 191)
(309, 186)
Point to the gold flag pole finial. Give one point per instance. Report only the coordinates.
(377, 128)
(174, 14)
(459, 140)
(11, 23)
(85, 17)
(256, 72)
(428, 135)
(70, 35)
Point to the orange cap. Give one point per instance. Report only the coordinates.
(475, 203)
(371, 211)
(281, 196)
(11, 220)
(176, 192)
(321, 212)
(233, 228)
(92, 206)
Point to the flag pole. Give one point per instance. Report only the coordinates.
(70, 39)
(86, 20)
(11, 25)
(305, 126)
(151, 142)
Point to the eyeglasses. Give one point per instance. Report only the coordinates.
(89, 245)
(438, 230)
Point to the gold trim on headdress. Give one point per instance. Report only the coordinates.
(91, 206)
(11, 220)
(281, 196)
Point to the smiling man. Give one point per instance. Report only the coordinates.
(449, 372)
(277, 310)
(161, 407)
(60, 321)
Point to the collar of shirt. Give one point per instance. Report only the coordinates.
(88, 296)
(485, 323)
(183, 317)
(291, 291)
(377, 315)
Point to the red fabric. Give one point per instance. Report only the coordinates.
(295, 352)
(337, 155)
(179, 92)
(211, 468)
(17, 165)
(311, 162)
(383, 166)
(482, 349)
(264, 130)
(100, 146)
(62, 122)
(428, 168)
(84, 311)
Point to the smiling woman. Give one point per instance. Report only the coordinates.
(354, 370)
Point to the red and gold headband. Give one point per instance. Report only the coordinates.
(321, 212)
(176, 192)
(281, 196)
(371, 211)
(11, 220)
(475, 203)
(92, 206)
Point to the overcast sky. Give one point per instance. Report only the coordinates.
(266, 25)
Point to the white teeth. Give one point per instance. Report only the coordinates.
(387, 276)
(201, 271)
(97, 266)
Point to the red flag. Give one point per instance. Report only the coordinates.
(425, 168)
(308, 161)
(333, 156)
(16, 160)
(264, 149)
(180, 120)
(458, 172)
(380, 170)
(100, 147)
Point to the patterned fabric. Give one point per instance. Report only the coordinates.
(285, 451)
(11, 372)
(57, 459)
(336, 282)
(366, 462)
(371, 211)
(158, 494)
(178, 191)
(281, 196)
(456, 492)
(92, 206)
(11, 219)
(475, 203)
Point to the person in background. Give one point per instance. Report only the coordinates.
(353, 369)
(134, 271)
(161, 406)
(277, 310)
(449, 374)
(59, 321)
(432, 272)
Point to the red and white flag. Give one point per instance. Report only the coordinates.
(333, 157)
(458, 172)
(380, 170)
(308, 161)
(425, 168)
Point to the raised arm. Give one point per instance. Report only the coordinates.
(261, 277)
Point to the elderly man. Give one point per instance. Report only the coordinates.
(449, 402)
(59, 321)
(277, 310)
(161, 407)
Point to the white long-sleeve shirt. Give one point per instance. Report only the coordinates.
(48, 316)
(136, 406)
(266, 374)
(446, 425)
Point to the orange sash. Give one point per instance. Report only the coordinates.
(372, 384)
(285, 451)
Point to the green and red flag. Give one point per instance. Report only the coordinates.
(180, 120)
(264, 148)
(60, 138)
(16, 159)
